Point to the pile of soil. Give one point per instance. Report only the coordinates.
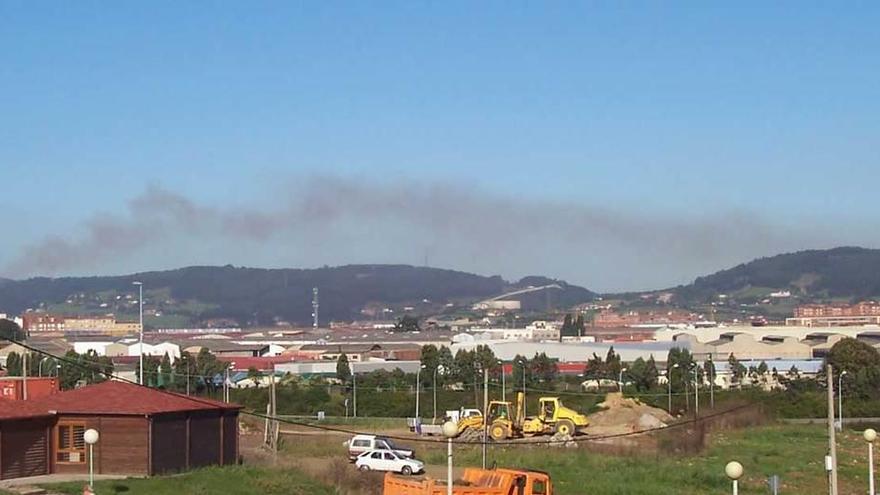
(625, 415)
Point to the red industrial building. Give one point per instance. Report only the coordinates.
(14, 387)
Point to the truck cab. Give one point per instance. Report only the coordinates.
(499, 481)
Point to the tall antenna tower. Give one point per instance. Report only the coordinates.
(315, 307)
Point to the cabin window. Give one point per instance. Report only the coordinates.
(71, 444)
(539, 487)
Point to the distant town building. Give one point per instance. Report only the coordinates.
(811, 315)
(39, 322)
(612, 319)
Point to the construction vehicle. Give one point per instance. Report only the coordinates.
(553, 418)
(474, 482)
(505, 422)
(469, 421)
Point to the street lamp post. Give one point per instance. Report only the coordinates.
(840, 400)
(696, 390)
(734, 471)
(711, 383)
(523, 364)
(870, 435)
(434, 383)
(669, 386)
(140, 286)
(450, 429)
(503, 383)
(354, 393)
(620, 379)
(226, 383)
(418, 386)
(91, 438)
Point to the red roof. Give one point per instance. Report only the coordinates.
(21, 409)
(122, 398)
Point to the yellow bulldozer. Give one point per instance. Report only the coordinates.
(553, 418)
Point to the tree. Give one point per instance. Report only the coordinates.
(651, 373)
(710, 371)
(595, 369)
(343, 370)
(208, 367)
(680, 376)
(151, 371)
(613, 364)
(862, 364)
(463, 366)
(579, 325)
(445, 364)
(184, 368)
(430, 359)
(544, 368)
(13, 364)
(407, 324)
(164, 377)
(9, 330)
(255, 375)
(737, 371)
(568, 329)
(484, 359)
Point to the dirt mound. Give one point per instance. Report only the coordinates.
(625, 415)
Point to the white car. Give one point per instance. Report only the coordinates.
(388, 460)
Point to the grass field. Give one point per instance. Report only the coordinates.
(211, 481)
(795, 453)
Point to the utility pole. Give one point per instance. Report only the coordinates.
(354, 393)
(711, 383)
(24, 374)
(315, 308)
(140, 286)
(485, 413)
(273, 438)
(832, 443)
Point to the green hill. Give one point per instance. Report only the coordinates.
(844, 272)
(252, 296)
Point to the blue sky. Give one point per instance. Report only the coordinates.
(753, 125)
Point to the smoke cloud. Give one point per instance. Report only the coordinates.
(597, 246)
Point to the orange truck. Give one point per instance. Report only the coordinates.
(474, 482)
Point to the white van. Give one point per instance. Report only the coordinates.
(362, 443)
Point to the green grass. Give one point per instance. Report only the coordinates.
(226, 481)
(793, 452)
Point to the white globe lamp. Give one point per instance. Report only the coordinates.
(91, 436)
(734, 471)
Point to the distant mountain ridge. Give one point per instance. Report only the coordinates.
(263, 296)
(843, 272)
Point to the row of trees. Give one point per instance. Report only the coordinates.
(73, 370)
(572, 327)
(188, 373)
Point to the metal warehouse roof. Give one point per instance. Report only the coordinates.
(122, 398)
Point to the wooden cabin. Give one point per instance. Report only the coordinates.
(142, 431)
(25, 433)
